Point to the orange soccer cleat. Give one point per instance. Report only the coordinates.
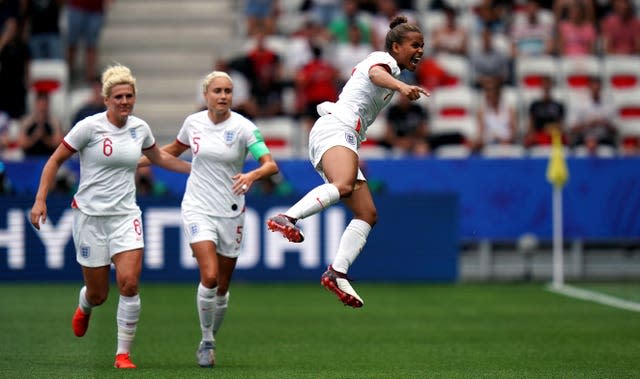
(123, 361)
(80, 322)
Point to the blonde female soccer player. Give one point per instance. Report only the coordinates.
(107, 223)
(213, 205)
(333, 149)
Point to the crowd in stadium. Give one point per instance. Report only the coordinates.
(500, 72)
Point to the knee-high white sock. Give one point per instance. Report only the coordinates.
(83, 303)
(222, 302)
(351, 244)
(206, 307)
(314, 201)
(127, 317)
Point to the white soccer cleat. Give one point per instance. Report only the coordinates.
(206, 354)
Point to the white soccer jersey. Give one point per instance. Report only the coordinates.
(108, 159)
(361, 101)
(219, 152)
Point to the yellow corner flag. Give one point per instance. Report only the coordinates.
(557, 172)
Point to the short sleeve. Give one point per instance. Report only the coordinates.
(79, 136)
(148, 140)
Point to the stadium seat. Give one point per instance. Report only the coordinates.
(77, 98)
(457, 67)
(503, 151)
(621, 72)
(452, 152)
(429, 21)
(627, 115)
(281, 135)
(459, 101)
(544, 151)
(576, 71)
(52, 76)
(466, 126)
(602, 151)
(529, 70)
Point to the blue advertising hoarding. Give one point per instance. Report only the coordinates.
(415, 240)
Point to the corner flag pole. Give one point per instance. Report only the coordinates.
(557, 175)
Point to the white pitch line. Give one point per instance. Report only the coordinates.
(597, 297)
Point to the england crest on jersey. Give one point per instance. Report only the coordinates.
(194, 229)
(350, 138)
(229, 136)
(85, 251)
(133, 133)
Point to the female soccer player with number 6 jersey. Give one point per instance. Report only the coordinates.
(333, 149)
(107, 223)
(213, 205)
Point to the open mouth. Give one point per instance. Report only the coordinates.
(415, 59)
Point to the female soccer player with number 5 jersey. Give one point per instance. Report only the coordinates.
(213, 205)
(333, 149)
(107, 224)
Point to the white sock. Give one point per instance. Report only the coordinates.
(351, 243)
(127, 317)
(222, 302)
(206, 307)
(83, 303)
(314, 201)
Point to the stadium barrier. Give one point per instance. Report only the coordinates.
(494, 200)
(401, 248)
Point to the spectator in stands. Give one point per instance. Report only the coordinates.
(621, 29)
(407, 128)
(493, 15)
(347, 54)
(450, 38)
(316, 82)
(265, 77)
(593, 120)
(544, 112)
(323, 11)
(561, 9)
(85, 19)
(299, 51)
(577, 34)
(9, 14)
(351, 14)
(488, 63)
(496, 118)
(5, 130)
(531, 36)
(94, 105)
(261, 16)
(40, 133)
(14, 62)
(43, 19)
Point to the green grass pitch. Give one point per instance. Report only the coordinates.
(300, 330)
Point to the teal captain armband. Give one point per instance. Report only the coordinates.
(258, 148)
